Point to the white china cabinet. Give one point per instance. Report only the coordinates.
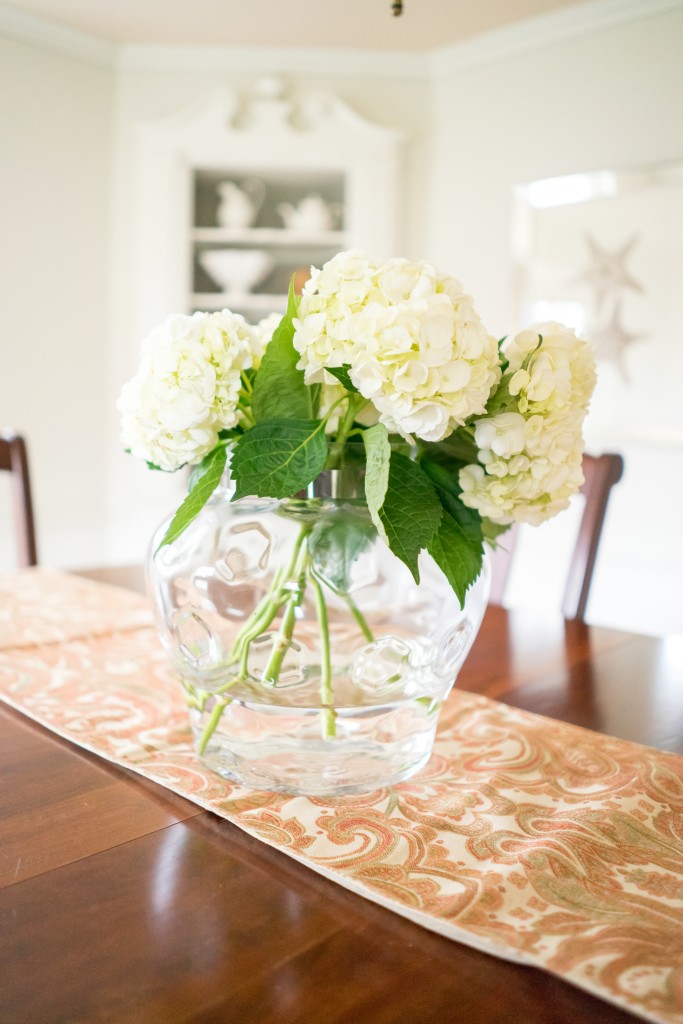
(237, 195)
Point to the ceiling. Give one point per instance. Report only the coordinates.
(424, 26)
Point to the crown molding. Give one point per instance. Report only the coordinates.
(267, 60)
(522, 37)
(544, 30)
(28, 28)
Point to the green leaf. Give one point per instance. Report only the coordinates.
(453, 552)
(201, 469)
(277, 458)
(279, 388)
(458, 449)
(504, 361)
(501, 400)
(458, 547)
(203, 483)
(411, 511)
(492, 531)
(378, 455)
(448, 488)
(227, 435)
(335, 543)
(342, 375)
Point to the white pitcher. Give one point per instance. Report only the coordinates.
(239, 204)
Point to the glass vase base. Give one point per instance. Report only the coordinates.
(288, 750)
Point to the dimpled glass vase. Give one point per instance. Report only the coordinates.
(311, 660)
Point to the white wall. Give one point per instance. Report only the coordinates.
(68, 340)
(55, 164)
(605, 100)
(609, 100)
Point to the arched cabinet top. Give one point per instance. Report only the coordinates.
(316, 128)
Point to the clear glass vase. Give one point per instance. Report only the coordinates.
(311, 660)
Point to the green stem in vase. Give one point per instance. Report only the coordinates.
(257, 624)
(260, 619)
(262, 615)
(211, 725)
(355, 611)
(257, 627)
(300, 560)
(326, 694)
(359, 617)
(195, 698)
(283, 591)
(267, 609)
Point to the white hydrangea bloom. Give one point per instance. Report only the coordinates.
(528, 488)
(556, 375)
(329, 300)
(186, 389)
(530, 455)
(504, 435)
(411, 337)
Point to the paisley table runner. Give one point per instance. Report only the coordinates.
(530, 839)
(39, 606)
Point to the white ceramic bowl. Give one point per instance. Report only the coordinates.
(236, 270)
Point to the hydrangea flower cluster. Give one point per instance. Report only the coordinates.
(373, 353)
(188, 387)
(530, 452)
(410, 338)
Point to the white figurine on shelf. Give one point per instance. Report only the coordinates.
(313, 213)
(239, 204)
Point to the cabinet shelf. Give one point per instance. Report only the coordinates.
(270, 236)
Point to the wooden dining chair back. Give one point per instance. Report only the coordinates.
(14, 459)
(601, 472)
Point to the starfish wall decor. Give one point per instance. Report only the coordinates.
(608, 277)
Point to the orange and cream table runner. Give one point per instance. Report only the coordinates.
(527, 838)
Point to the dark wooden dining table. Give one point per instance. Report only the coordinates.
(121, 902)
